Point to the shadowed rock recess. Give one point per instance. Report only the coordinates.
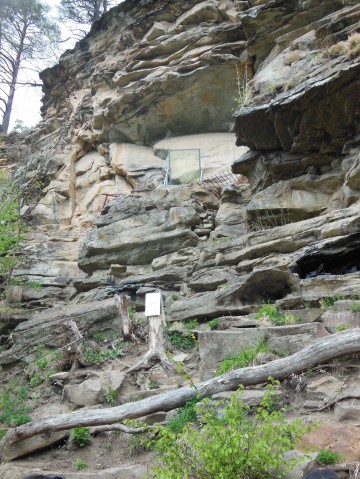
(268, 94)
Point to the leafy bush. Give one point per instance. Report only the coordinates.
(268, 312)
(355, 307)
(326, 457)
(96, 357)
(182, 341)
(13, 409)
(46, 363)
(342, 327)
(191, 324)
(242, 360)
(331, 300)
(232, 445)
(81, 436)
(80, 464)
(185, 415)
(214, 324)
(12, 226)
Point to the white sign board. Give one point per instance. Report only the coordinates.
(152, 304)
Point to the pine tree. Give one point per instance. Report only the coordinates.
(26, 34)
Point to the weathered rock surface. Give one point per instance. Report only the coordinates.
(160, 75)
(46, 328)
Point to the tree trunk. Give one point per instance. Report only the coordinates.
(339, 344)
(156, 346)
(122, 304)
(12, 86)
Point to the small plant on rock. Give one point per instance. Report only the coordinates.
(269, 313)
(13, 408)
(185, 415)
(80, 464)
(242, 360)
(214, 324)
(327, 458)
(355, 307)
(81, 436)
(182, 341)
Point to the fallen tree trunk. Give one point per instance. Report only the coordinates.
(339, 344)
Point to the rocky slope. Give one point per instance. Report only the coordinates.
(154, 76)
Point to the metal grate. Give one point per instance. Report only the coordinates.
(105, 198)
(224, 179)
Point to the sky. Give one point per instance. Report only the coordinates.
(27, 101)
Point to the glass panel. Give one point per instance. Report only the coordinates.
(184, 166)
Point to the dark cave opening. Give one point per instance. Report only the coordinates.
(339, 257)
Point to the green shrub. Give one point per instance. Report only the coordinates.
(191, 324)
(342, 327)
(46, 363)
(174, 296)
(81, 436)
(13, 409)
(80, 464)
(331, 300)
(269, 312)
(152, 384)
(34, 284)
(326, 457)
(110, 396)
(229, 445)
(185, 415)
(182, 341)
(96, 357)
(132, 312)
(242, 360)
(355, 307)
(214, 323)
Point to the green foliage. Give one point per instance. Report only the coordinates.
(26, 36)
(242, 360)
(110, 396)
(327, 458)
(174, 296)
(342, 327)
(244, 92)
(46, 363)
(105, 336)
(269, 313)
(132, 312)
(355, 307)
(13, 409)
(12, 227)
(185, 415)
(80, 464)
(182, 341)
(152, 384)
(96, 357)
(81, 436)
(192, 324)
(82, 12)
(34, 284)
(230, 445)
(2, 433)
(214, 323)
(331, 300)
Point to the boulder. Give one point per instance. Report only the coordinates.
(289, 339)
(46, 328)
(215, 346)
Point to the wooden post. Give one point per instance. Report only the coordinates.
(154, 311)
(122, 304)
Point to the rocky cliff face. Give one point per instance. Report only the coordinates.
(157, 75)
